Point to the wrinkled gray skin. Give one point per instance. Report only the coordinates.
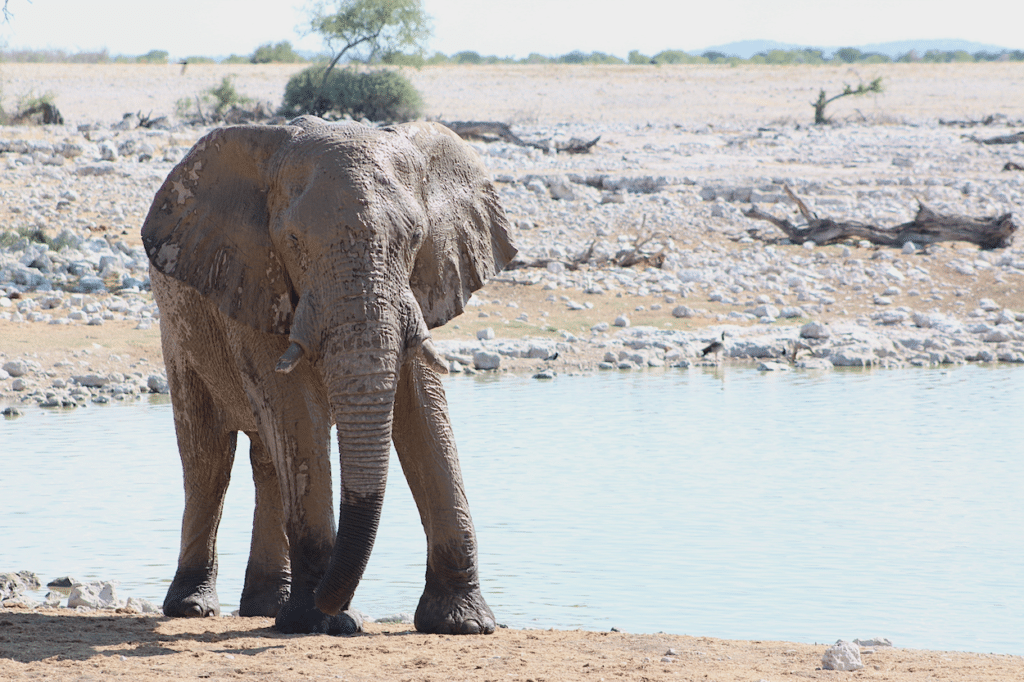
(298, 269)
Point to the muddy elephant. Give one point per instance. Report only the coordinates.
(298, 269)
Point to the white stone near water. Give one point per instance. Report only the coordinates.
(815, 330)
(843, 656)
(100, 595)
(486, 360)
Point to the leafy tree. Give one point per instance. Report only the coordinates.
(636, 57)
(280, 53)
(153, 57)
(848, 55)
(467, 57)
(716, 57)
(368, 29)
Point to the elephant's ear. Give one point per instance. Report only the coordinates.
(467, 240)
(209, 226)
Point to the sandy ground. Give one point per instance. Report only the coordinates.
(64, 645)
(72, 646)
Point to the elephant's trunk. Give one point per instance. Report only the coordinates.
(361, 377)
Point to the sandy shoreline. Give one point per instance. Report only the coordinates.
(696, 126)
(66, 647)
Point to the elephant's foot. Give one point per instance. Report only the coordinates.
(192, 594)
(264, 595)
(296, 619)
(454, 613)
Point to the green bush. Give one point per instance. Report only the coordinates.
(280, 53)
(153, 57)
(377, 95)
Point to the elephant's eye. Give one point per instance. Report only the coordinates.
(293, 239)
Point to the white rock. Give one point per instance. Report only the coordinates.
(621, 321)
(157, 384)
(842, 656)
(815, 330)
(17, 368)
(94, 596)
(766, 311)
(91, 380)
(998, 336)
(485, 334)
(773, 367)
(814, 363)
(683, 311)
(484, 360)
(874, 641)
(909, 248)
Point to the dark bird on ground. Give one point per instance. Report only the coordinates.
(714, 347)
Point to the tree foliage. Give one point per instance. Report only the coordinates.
(367, 30)
(279, 53)
(382, 95)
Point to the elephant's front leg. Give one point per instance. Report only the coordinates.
(207, 451)
(296, 432)
(451, 601)
(268, 573)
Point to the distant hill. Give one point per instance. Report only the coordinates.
(748, 48)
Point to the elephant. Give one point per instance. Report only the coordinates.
(298, 270)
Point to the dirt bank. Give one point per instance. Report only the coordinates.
(69, 646)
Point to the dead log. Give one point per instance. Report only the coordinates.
(1001, 139)
(927, 227)
(496, 130)
(483, 130)
(577, 145)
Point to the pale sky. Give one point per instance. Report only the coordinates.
(513, 27)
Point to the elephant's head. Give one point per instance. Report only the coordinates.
(351, 242)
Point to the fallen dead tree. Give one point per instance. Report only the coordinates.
(927, 227)
(496, 130)
(488, 130)
(1001, 139)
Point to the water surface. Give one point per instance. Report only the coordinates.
(797, 506)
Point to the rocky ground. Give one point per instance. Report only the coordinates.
(668, 195)
(682, 152)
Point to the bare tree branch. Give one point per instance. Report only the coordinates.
(927, 227)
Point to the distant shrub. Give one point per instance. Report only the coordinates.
(200, 60)
(677, 57)
(382, 95)
(279, 53)
(578, 57)
(467, 57)
(220, 98)
(153, 57)
(636, 57)
(224, 96)
(415, 60)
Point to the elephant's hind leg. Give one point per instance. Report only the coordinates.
(207, 451)
(451, 601)
(268, 574)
